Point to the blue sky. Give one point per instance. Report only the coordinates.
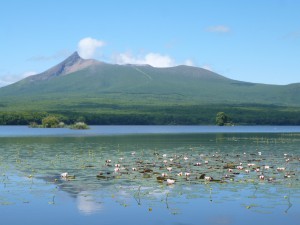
(255, 41)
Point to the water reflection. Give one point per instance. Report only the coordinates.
(31, 171)
(86, 203)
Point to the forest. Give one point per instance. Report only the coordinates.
(162, 115)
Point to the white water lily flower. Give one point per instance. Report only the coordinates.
(170, 181)
(208, 178)
(64, 175)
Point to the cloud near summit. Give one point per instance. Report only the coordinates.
(153, 59)
(87, 47)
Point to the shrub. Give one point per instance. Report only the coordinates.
(61, 125)
(79, 126)
(50, 122)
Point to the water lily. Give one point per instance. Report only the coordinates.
(164, 174)
(279, 169)
(170, 181)
(207, 178)
(239, 167)
(64, 175)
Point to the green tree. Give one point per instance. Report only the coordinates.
(221, 119)
(50, 122)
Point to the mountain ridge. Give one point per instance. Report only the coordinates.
(71, 64)
(180, 94)
(82, 77)
(106, 93)
(75, 63)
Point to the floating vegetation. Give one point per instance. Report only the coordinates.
(168, 170)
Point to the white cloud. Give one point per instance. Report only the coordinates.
(153, 59)
(219, 29)
(87, 47)
(158, 60)
(10, 78)
(86, 204)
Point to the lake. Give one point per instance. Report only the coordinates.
(120, 175)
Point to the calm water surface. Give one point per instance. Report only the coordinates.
(33, 192)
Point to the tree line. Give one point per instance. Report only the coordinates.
(177, 115)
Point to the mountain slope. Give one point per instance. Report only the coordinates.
(89, 86)
(76, 77)
(71, 64)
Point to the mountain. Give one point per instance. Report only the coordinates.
(79, 85)
(90, 78)
(72, 64)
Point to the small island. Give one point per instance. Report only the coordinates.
(52, 121)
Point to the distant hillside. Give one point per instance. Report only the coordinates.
(78, 85)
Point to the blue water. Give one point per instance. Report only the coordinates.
(32, 191)
(18, 131)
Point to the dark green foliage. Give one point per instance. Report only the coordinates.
(50, 122)
(154, 114)
(21, 117)
(221, 119)
(160, 114)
